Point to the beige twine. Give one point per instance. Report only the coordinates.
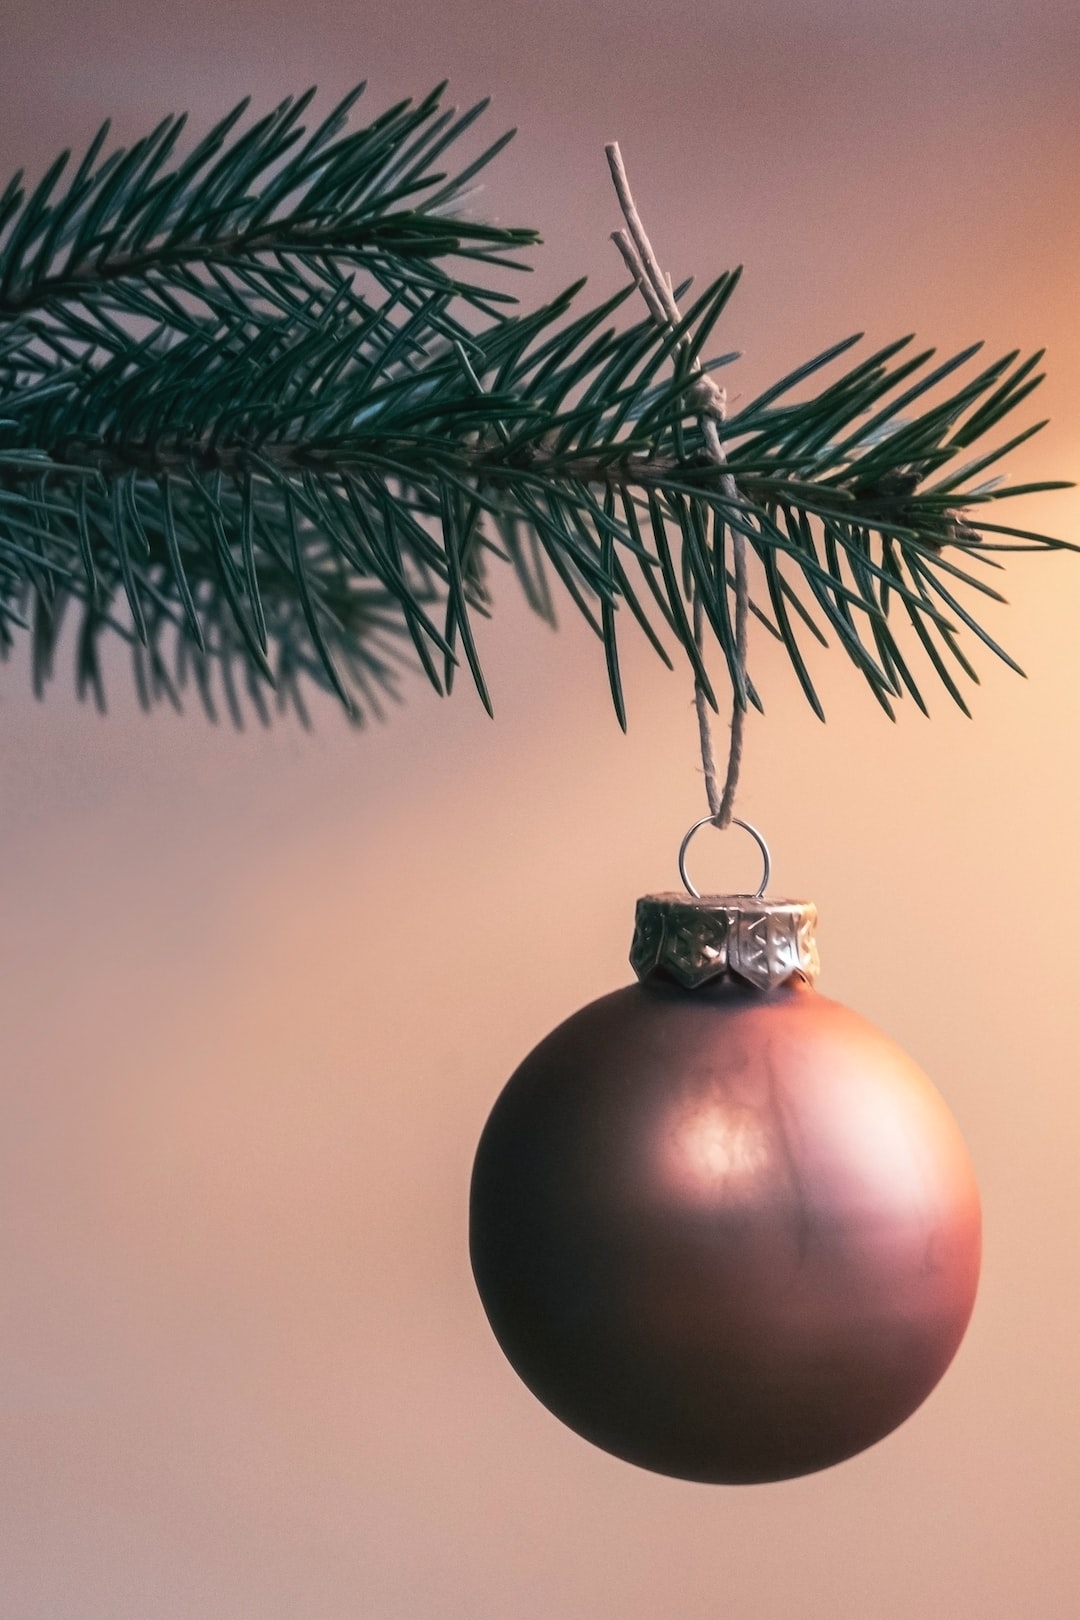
(710, 401)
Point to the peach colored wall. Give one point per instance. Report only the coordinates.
(258, 992)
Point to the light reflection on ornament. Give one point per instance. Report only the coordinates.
(715, 1146)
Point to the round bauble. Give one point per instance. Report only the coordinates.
(728, 1232)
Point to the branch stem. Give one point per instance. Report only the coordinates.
(486, 468)
(317, 236)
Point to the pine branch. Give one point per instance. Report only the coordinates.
(252, 424)
(134, 221)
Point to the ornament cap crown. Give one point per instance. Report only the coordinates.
(698, 939)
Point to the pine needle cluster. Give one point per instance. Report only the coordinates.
(259, 421)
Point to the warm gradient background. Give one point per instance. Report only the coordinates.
(259, 991)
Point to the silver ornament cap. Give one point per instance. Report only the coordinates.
(697, 939)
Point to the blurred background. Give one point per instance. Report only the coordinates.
(259, 990)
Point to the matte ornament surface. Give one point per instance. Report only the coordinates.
(706, 937)
(726, 1235)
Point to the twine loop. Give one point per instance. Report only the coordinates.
(709, 401)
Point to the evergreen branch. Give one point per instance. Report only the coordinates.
(130, 216)
(251, 425)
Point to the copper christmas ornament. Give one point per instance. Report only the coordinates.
(723, 1227)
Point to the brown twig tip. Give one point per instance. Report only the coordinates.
(639, 277)
(652, 274)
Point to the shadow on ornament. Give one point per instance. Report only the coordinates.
(722, 1226)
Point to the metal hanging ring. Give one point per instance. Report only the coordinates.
(710, 821)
